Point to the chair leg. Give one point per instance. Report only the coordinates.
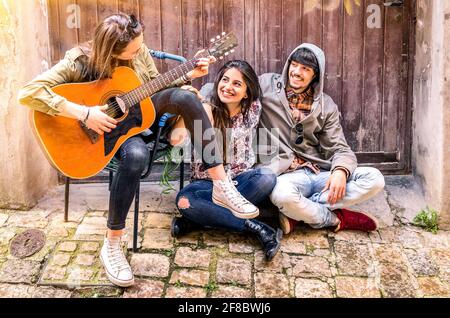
(66, 200)
(110, 179)
(136, 218)
(181, 171)
(152, 154)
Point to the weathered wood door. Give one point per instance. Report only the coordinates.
(368, 46)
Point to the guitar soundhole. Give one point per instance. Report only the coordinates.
(114, 109)
(128, 119)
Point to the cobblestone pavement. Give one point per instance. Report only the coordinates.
(399, 260)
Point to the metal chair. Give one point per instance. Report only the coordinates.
(158, 148)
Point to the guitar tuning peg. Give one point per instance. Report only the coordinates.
(226, 53)
(232, 51)
(221, 58)
(223, 33)
(212, 40)
(218, 37)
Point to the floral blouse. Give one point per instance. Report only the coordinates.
(241, 155)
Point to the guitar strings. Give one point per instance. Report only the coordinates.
(135, 95)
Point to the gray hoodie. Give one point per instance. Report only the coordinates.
(324, 141)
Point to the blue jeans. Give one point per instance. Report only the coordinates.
(298, 194)
(255, 185)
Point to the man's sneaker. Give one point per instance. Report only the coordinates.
(287, 224)
(352, 220)
(116, 265)
(226, 195)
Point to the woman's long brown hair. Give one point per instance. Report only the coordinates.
(221, 115)
(111, 37)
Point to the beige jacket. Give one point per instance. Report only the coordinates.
(38, 95)
(324, 142)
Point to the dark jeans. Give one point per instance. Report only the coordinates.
(255, 185)
(133, 155)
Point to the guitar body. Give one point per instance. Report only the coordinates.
(68, 145)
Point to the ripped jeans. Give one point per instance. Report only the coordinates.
(298, 194)
(255, 185)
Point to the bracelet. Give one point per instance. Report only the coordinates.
(185, 78)
(87, 115)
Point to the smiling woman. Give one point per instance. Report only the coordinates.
(233, 102)
(231, 90)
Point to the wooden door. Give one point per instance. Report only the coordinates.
(368, 47)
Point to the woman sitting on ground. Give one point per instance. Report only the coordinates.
(233, 105)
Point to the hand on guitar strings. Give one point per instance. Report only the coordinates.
(99, 121)
(202, 67)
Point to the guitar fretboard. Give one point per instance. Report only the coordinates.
(162, 81)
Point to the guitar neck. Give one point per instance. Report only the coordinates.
(162, 81)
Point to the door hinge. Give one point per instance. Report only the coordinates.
(394, 3)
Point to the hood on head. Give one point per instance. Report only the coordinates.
(320, 56)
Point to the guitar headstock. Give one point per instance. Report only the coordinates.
(222, 45)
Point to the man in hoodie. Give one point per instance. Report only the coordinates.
(317, 171)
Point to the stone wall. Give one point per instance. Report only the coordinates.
(445, 206)
(431, 115)
(24, 52)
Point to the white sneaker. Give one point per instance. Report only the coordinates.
(226, 195)
(116, 265)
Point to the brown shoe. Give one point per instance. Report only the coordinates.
(352, 220)
(287, 224)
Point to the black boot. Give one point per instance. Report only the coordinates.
(269, 238)
(182, 225)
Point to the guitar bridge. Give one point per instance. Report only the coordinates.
(92, 135)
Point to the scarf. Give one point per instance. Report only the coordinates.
(300, 103)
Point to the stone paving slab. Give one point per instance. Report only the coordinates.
(144, 288)
(27, 291)
(157, 239)
(185, 292)
(312, 288)
(74, 264)
(269, 285)
(190, 277)
(234, 271)
(19, 271)
(353, 259)
(356, 287)
(224, 291)
(398, 260)
(188, 257)
(150, 265)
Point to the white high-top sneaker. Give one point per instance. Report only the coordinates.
(116, 265)
(226, 195)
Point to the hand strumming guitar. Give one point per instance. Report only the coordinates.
(99, 121)
(93, 117)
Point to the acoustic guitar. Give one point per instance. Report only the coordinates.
(79, 152)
